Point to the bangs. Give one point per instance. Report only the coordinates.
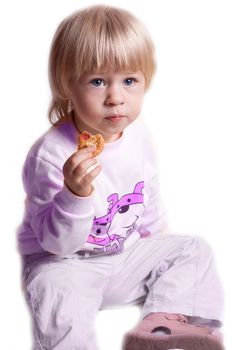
(112, 43)
(105, 38)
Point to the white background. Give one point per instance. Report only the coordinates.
(189, 111)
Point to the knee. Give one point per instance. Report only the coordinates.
(203, 244)
(197, 247)
(203, 249)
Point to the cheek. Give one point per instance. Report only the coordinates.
(137, 102)
(83, 103)
(90, 98)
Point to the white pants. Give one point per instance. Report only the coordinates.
(170, 273)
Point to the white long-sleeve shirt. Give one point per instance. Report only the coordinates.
(125, 205)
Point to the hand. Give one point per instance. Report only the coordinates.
(77, 174)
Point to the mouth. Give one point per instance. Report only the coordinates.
(133, 225)
(115, 118)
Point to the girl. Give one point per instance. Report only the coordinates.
(94, 232)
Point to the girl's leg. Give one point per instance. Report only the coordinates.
(172, 273)
(64, 296)
(186, 281)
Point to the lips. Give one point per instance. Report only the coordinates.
(115, 118)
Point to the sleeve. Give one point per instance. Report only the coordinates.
(60, 220)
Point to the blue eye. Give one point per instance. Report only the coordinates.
(129, 81)
(97, 82)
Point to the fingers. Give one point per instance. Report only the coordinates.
(84, 167)
(80, 170)
(76, 158)
(89, 177)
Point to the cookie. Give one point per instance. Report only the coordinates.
(86, 139)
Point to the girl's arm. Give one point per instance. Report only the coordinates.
(60, 219)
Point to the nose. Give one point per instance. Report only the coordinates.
(114, 96)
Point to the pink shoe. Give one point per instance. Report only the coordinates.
(176, 334)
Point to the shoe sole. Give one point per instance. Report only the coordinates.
(145, 341)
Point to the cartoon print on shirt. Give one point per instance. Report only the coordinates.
(102, 226)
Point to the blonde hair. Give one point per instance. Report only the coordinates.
(97, 38)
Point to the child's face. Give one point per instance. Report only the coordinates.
(108, 102)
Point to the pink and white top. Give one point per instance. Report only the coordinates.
(125, 205)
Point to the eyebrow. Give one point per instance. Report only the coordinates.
(106, 73)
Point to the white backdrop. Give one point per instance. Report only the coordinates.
(188, 109)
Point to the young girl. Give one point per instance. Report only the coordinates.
(93, 235)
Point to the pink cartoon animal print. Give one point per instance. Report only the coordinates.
(106, 234)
